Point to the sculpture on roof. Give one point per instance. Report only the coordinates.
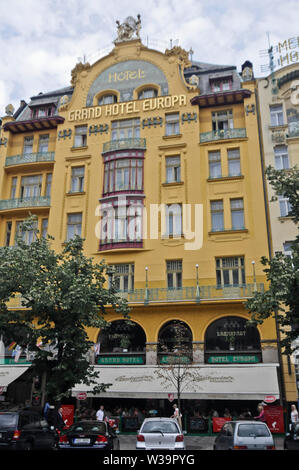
(126, 30)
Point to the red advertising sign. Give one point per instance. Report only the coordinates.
(170, 397)
(270, 399)
(81, 396)
(68, 414)
(218, 423)
(274, 418)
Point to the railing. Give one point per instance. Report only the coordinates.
(38, 201)
(191, 294)
(222, 135)
(134, 143)
(30, 158)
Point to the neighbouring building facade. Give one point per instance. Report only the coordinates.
(279, 116)
(155, 160)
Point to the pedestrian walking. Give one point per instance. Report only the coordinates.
(100, 413)
(177, 415)
(294, 414)
(261, 416)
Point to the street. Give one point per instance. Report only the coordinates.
(128, 442)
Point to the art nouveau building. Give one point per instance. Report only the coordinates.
(155, 161)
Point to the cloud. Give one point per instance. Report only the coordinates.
(42, 40)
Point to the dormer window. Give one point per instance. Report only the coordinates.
(42, 112)
(147, 93)
(107, 99)
(221, 84)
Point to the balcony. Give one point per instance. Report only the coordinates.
(223, 134)
(18, 203)
(191, 294)
(124, 144)
(30, 158)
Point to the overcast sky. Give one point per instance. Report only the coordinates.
(42, 40)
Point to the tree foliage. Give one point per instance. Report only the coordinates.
(282, 271)
(62, 295)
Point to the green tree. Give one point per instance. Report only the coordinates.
(62, 295)
(282, 296)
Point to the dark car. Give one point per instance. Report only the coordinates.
(25, 430)
(291, 441)
(96, 435)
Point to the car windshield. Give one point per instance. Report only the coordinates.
(253, 430)
(8, 421)
(99, 428)
(166, 427)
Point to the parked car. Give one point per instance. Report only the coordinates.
(244, 435)
(291, 440)
(96, 435)
(160, 433)
(25, 430)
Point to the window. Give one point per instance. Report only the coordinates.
(284, 205)
(233, 158)
(173, 169)
(125, 129)
(222, 120)
(172, 124)
(44, 227)
(29, 235)
(31, 186)
(8, 233)
(221, 85)
(107, 99)
(174, 220)
(123, 175)
(237, 213)
(215, 164)
(42, 112)
(287, 248)
(48, 184)
(230, 271)
(28, 144)
(80, 136)
(147, 93)
(276, 115)
(122, 277)
(43, 143)
(174, 274)
(281, 157)
(74, 224)
(217, 216)
(13, 189)
(77, 184)
(121, 223)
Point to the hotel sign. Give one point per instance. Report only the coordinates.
(248, 359)
(129, 107)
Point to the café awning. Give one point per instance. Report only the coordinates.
(236, 382)
(9, 373)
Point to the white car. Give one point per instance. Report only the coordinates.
(244, 435)
(160, 433)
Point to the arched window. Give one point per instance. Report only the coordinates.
(122, 336)
(147, 93)
(231, 340)
(107, 99)
(175, 342)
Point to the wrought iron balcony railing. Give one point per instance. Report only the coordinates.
(30, 158)
(191, 294)
(19, 203)
(122, 144)
(222, 135)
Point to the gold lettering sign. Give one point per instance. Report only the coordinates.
(126, 75)
(129, 107)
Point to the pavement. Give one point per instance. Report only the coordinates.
(128, 442)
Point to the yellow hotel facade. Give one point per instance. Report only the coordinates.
(155, 161)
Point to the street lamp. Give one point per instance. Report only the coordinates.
(197, 296)
(254, 278)
(146, 298)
